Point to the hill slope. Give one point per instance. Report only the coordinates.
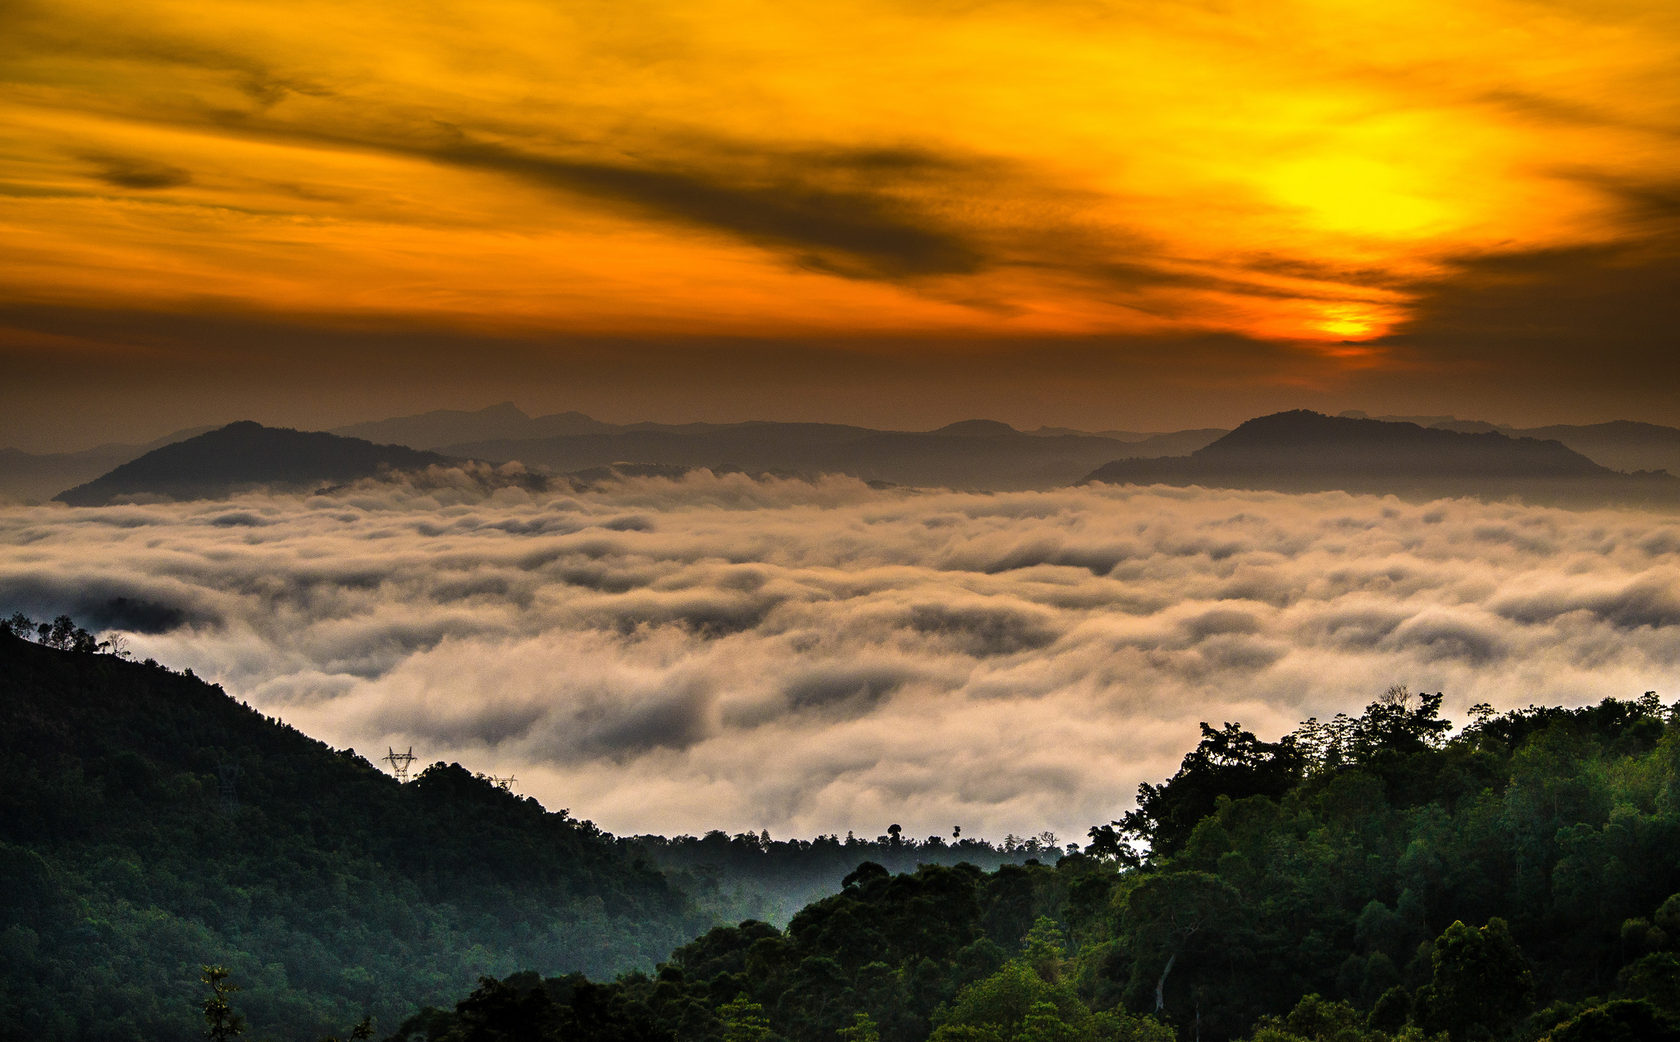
(1303, 451)
(244, 455)
(1358, 880)
(1619, 444)
(150, 824)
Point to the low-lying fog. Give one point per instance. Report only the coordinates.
(678, 655)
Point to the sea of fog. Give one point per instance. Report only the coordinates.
(722, 652)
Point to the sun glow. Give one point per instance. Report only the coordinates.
(1353, 321)
(859, 169)
(1358, 195)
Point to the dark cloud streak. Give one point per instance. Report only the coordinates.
(848, 231)
(133, 172)
(1593, 321)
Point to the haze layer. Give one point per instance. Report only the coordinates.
(722, 652)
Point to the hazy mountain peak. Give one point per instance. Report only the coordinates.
(976, 429)
(430, 430)
(1313, 441)
(245, 454)
(1451, 423)
(1297, 426)
(1301, 450)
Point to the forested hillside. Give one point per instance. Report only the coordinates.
(149, 824)
(1359, 881)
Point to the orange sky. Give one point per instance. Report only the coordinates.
(1315, 198)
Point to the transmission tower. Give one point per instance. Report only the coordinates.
(505, 784)
(399, 762)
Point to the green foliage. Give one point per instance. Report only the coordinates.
(876, 960)
(1320, 893)
(1653, 978)
(861, 1029)
(1312, 889)
(1030, 999)
(132, 855)
(1043, 949)
(1186, 920)
(1619, 1021)
(1000, 1005)
(1479, 982)
(220, 1021)
(1230, 762)
(744, 1021)
(1316, 1019)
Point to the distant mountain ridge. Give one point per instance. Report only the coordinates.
(28, 476)
(1337, 444)
(1302, 451)
(976, 454)
(971, 454)
(244, 455)
(442, 427)
(570, 441)
(1625, 445)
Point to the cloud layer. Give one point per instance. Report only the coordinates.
(810, 657)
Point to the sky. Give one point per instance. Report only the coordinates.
(812, 657)
(1146, 215)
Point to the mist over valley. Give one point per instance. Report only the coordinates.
(680, 652)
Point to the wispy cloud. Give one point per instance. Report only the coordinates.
(865, 169)
(836, 211)
(132, 172)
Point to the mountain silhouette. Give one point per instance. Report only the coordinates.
(441, 427)
(1303, 451)
(34, 476)
(1298, 451)
(246, 455)
(191, 827)
(971, 454)
(976, 429)
(1618, 444)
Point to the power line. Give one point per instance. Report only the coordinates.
(400, 762)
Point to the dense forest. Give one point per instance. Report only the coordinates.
(1365, 879)
(150, 825)
(1359, 880)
